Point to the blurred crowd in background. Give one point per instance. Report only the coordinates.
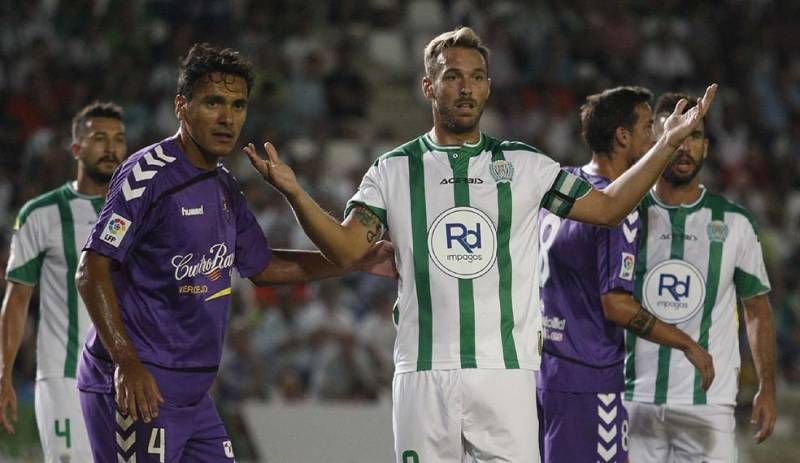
(338, 83)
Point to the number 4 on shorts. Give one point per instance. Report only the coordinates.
(157, 443)
(410, 456)
(65, 433)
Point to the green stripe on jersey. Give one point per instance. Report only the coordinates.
(677, 219)
(717, 206)
(47, 199)
(28, 273)
(640, 270)
(419, 233)
(466, 291)
(504, 207)
(71, 256)
(747, 285)
(98, 203)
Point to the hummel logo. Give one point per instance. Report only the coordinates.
(186, 212)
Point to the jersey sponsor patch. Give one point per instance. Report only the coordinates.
(627, 265)
(115, 230)
(462, 242)
(674, 290)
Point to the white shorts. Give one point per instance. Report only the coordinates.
(452, 416)
(681, 433)
(60, 421)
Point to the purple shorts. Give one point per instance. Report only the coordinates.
(187, 429)
(582, 427)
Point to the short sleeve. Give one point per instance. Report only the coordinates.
(565, 189)
(616, 255)
(750, 276)
(370, 193)
(28, 248)
(122, 217)
(253, 253)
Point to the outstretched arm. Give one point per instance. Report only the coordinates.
(137, 393)
(610, 205)
(761, 335)
(342, 243)
(293, 266)
(12, 326)
(621, 308)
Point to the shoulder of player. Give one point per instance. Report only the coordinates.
(136, 175)
(719, 202)
(39, 204)
(410, 148)
(508, 146)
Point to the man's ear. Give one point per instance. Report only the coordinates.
(622, 137)
(427, 87)
(75, 149)
(180, 106)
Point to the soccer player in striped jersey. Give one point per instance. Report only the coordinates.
(49, 232)
(586, 278)
(461, 209)
(699, 254)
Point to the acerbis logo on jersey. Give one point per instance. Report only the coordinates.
(462, 242)
(674, 290)
(115, 230)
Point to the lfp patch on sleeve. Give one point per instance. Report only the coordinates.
(115, 230)
(626, 269)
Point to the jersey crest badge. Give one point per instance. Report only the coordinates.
(502, 171)
(717, 231)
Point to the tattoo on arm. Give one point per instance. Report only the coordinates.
(371, 221)
(642, 323)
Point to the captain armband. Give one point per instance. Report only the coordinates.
(567, 188)
(642, 323)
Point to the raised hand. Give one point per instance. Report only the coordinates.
(8, 400)
(702, 361)
(137, 393)
(274, 171)
(379, 260)
(680, 125)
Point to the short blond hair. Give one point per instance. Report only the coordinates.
(463, 37)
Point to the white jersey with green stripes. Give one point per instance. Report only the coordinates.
(695, 261)
(50, 232)
(464, 223)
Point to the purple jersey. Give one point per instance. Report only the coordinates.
(583, 352)
(174, 232)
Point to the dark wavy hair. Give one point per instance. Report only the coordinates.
(90, 111)
(604, 112)
(203, 59)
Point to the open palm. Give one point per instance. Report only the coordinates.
(274, 171)
(680, 124)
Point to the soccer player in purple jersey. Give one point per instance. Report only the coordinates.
(156, 277)
(586, 278)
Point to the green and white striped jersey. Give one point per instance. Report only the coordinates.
(464, 223)
(695, 261)
(50, 232)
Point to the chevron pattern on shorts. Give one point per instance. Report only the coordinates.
(125, 435)
(607, 411)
